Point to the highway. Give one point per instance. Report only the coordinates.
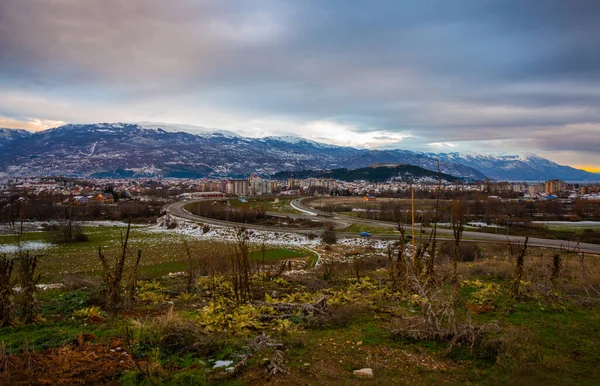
(342, 221)
(468, 235)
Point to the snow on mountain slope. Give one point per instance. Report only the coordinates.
(125, 149)
(518, 167)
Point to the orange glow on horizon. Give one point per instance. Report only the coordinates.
(588, 168)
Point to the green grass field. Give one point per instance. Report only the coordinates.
(357, 228)
(162, 252)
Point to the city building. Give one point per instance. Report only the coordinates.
(536, 189)
(260, 187)
(237, 187)
(555, 187)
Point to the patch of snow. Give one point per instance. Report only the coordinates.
(25, 246)
(283, 238)
(92, 148)
(220, 364)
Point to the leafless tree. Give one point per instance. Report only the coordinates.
(191, 276)
(516, 287)
(113, 273)
(240, 266)
(133, 278)
(556, 266)
(458, 227)
(431, 259)
(6, 290)
(28, 280)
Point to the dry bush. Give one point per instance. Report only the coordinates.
(579, 278)
(329, 236)
(439, 321)
(78, 281)
(328, 268)
(573, 279)
(373, 263)
(498, 250)
(6, 290)
(28, 280)
(174, 335)
(509, 348)
(66, 231)
(338, 315)
(311, 283)
(265, 347)
(113, 273)
(445, 251)
(499, 269)
(470, 251)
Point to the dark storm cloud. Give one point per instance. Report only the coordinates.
(438, 70)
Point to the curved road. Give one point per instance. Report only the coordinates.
(343, 221)
(177, 209)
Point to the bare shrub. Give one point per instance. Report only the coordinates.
(66, 231)
(446, 250)
(177, 336)
(499, 269)
(430, 266)
(240, 267)
(458, 226)
(470, 252)
(509, 347)
(192, 270)
(132, 280)
(112, 273)
(339, 315)
(266, 347)
(77, 281)
(28, 280)
(585, 289)
(515, 290)
(329, 236)
(438, 320)
(327, 268)
(6, 290)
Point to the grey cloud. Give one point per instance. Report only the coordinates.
(439, 70)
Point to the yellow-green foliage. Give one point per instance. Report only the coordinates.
(88, 312)
(486, 292)
(151, 291)
(216, 286)
(221, 315)
(363, 291)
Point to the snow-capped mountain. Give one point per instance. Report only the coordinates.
(124, 149)
(7, 136)
(529, 167)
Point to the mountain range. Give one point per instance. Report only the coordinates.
(135, 150)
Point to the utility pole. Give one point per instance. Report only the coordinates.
(412, 194)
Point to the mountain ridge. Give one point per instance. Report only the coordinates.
(128, 149)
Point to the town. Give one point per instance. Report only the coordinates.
(80, 191)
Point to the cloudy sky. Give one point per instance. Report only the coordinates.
(482, 76)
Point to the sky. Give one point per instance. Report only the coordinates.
(505, 76)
